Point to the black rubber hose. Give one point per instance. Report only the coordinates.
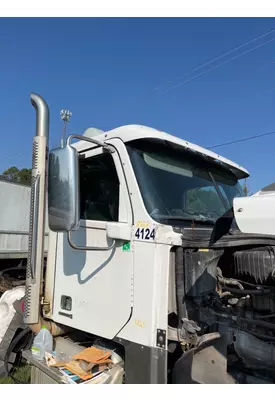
(12, 345)
(264, 324)
(237, 320)
(247, 291)
(259, 335)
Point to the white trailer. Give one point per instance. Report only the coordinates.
(15, 220)
(14, 233)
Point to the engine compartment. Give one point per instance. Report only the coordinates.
(225, 321)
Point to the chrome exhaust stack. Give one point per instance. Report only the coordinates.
(35, 265)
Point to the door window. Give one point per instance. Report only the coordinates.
(99, 188)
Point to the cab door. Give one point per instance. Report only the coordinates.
(93, 289)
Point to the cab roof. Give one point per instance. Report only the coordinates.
(129, 133)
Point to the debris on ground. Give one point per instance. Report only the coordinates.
(84, 366)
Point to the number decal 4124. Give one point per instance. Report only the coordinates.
(145, 234)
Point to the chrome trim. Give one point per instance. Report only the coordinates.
(88, 248)
(36, 254)
(42, 117)
(35, 225)
(94, 141)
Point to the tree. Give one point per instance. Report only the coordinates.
(246, 189)
(13, 174)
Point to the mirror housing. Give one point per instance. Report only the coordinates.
(63, 189)
(119, 231)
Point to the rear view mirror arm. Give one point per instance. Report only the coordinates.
(87, 248)
(94, 141)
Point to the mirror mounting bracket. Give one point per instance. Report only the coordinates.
(94, 141)
(88, 248)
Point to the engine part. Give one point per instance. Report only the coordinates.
(248, 379)
(258, 263)
(195, 278)
(227, 281)
(206, 364)
(264, 303)
(255, 353)
(200, 271)
(243, 315)
(189, 331)
(243, 292)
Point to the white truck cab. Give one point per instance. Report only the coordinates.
(144, 253)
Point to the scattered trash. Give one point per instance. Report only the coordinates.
(7, 311)
(71, 378)
(42, 343)
(50, 359)
(83, 367)
(62, 357)
(93, 355)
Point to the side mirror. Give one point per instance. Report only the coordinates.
(63, 189)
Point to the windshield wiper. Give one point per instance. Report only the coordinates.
(179, 218)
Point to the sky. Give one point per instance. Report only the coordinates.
(115, 71)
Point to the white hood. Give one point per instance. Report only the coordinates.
(255, 214)
(268, 190)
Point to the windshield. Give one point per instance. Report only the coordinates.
(180, 185)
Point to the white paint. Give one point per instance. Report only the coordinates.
(133, 132)
(119, 230)
(99, 282)
(255, 214)
(92, 132)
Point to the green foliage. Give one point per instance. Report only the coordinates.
(13, 174)
(23, 373)
(246, 189)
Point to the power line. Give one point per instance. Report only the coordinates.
(13, 157)
(221, 56)
(241, 140)
(218, 65)
(19, 154)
